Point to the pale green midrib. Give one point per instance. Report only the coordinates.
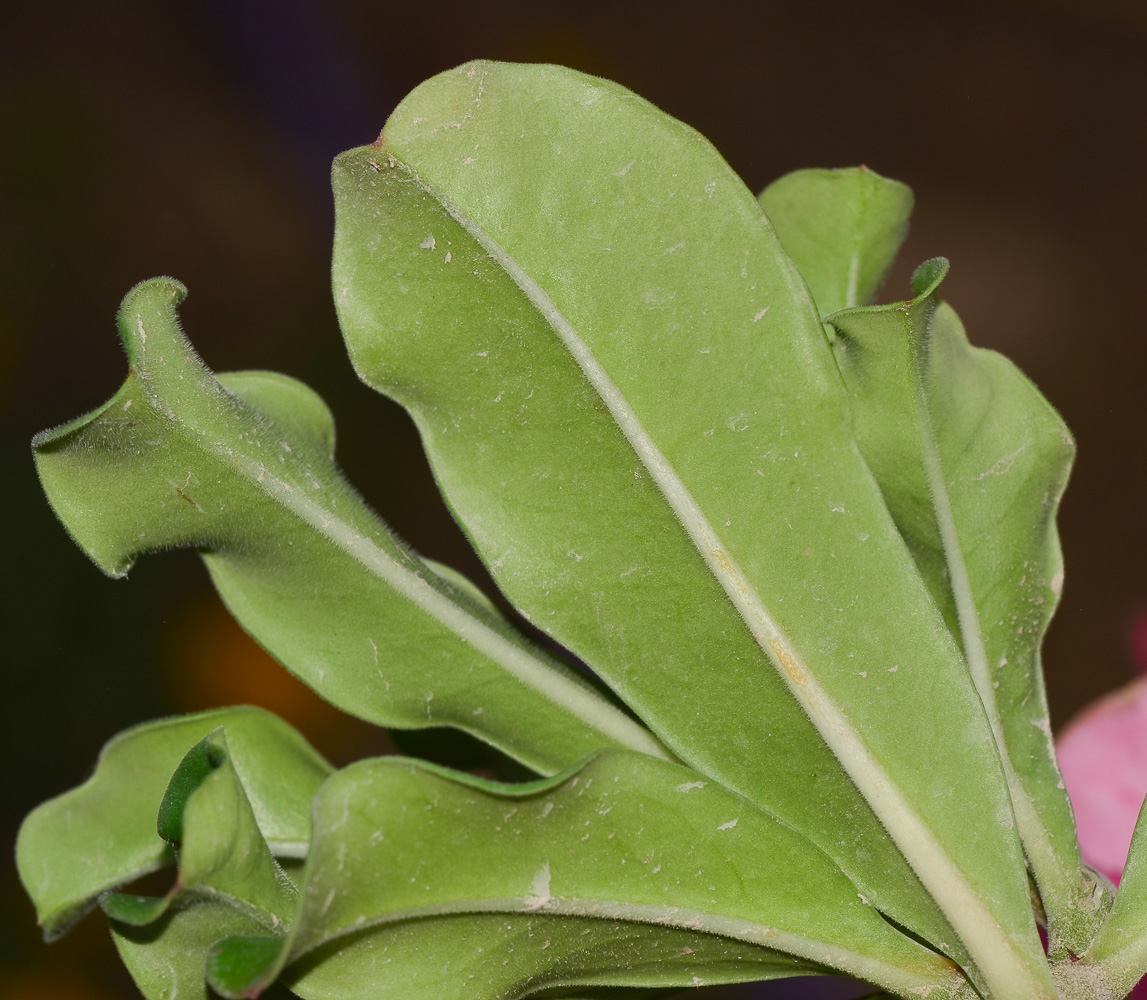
(853, 279)
(1003, 968)
(1051, 876)
(582, 703)
(854, 263)
(945, 975)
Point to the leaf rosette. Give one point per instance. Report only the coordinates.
(797, 536)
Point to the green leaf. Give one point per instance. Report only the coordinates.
(198, 764)
(842, 228)
(224, 864)
(631, 406)
(1120, 948)
(166, 958)
(103, 833)
(401, 846)
(972, 461)
(241, 467)
(499, 953)
(223, 854)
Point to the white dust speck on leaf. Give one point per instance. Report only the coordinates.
(1057, 583)
(728, 826)
(428, 243)
(761, 315)
(448, 257)
(540, 898)
(688, 786)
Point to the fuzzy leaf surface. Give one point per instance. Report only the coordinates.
(222, 853)
(972, 461)
(472, 957)
(842, 229)
(624, 838)
(631, 406)
(167, 958)
(241, 467)
(1120, 948)
(224, 865)
(102, 834)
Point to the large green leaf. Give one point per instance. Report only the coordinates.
(842, 228)
(103, 833)
(516, 955)
(1120, 948)
(631, 406)
(242, 467)
(972, 461)
(401, 846)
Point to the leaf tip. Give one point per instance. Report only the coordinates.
(156, 298)
(927, 277)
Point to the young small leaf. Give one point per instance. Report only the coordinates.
(224, 864)
(1120, 948)
(197, 765)
(842, 228)
(241, 467)
(103, 833)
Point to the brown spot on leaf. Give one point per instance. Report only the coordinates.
(788, 664)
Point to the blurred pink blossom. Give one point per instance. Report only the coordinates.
(1103, 757)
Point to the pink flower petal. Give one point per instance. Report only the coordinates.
(1103, 757)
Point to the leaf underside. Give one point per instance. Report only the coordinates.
(624, 848)
(631, 409)
(241, 467)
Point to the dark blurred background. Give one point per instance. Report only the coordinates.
(194, 140)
